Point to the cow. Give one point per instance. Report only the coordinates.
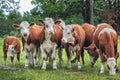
(52, 42)
(105, 39)
(89, 30)
(12, 46)
(32, 37)
(73, 39)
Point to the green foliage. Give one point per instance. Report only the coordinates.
(71, 11)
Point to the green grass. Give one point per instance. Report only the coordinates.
(86, 72)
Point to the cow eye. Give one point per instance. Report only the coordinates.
(46, 26)
(68, 33)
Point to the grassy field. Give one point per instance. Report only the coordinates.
(86, 72)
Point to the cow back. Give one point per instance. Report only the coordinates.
(79, 34)
(57, 36)
(11, 40)
(97, 31)
(89, 30)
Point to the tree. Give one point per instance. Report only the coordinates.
(10, 5)
(91, 12)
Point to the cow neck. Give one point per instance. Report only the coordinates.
(26, 41)
(75, 43)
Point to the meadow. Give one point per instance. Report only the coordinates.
(86, 72)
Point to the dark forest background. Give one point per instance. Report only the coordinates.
(71, 11)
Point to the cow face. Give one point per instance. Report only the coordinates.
(49, 26)
(24, 29)
(111, 63)
(11, 50)
(93, 52)
(68, 35)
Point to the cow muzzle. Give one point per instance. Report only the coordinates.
(25, 34)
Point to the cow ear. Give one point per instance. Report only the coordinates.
(41, 21)
(16, 26)
(32, 24)
(57, 22)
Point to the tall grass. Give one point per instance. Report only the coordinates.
(86, 72)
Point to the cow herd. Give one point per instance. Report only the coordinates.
(46, 41)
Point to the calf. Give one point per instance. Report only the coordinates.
(73, 38)
(53, 35)
(105, 39)
(32, 37)
(12, 46)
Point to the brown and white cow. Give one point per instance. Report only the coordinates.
(12, 46)
(105, 39)
(32, 37)
(73, 38)
(53, 35)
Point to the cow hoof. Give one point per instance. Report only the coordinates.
(26, 67)
(43, 68)
(35, 66)
(79, 67)
(69, 66)
(101, 72)
(54, 68)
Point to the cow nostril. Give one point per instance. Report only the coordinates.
(25, 34)
(63, 41)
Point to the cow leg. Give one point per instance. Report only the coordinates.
(31, 60)
(60, 56)
(94, 60)
(91, 60)
(34, 56)
(53, 57)
(68, 56)
(5, 57)
(44, 58)
(82, 56)
(39, 56)
(102, 68)
(27, 58)
(12, 58)
(78, 58)
(18, 57)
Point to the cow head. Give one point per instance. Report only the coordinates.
(49, 26)
(93, 52)
(111, 63)
(11, 50)
(24, 29)
(61, 23)
(68, 35)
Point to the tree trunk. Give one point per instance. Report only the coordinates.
(91, 12)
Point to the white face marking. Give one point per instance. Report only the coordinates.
(24, 29)
(107, 30)
(68, 35)
(111, 62)
(11, 50)
(49, 23)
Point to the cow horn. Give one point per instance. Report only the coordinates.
(104, 56)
